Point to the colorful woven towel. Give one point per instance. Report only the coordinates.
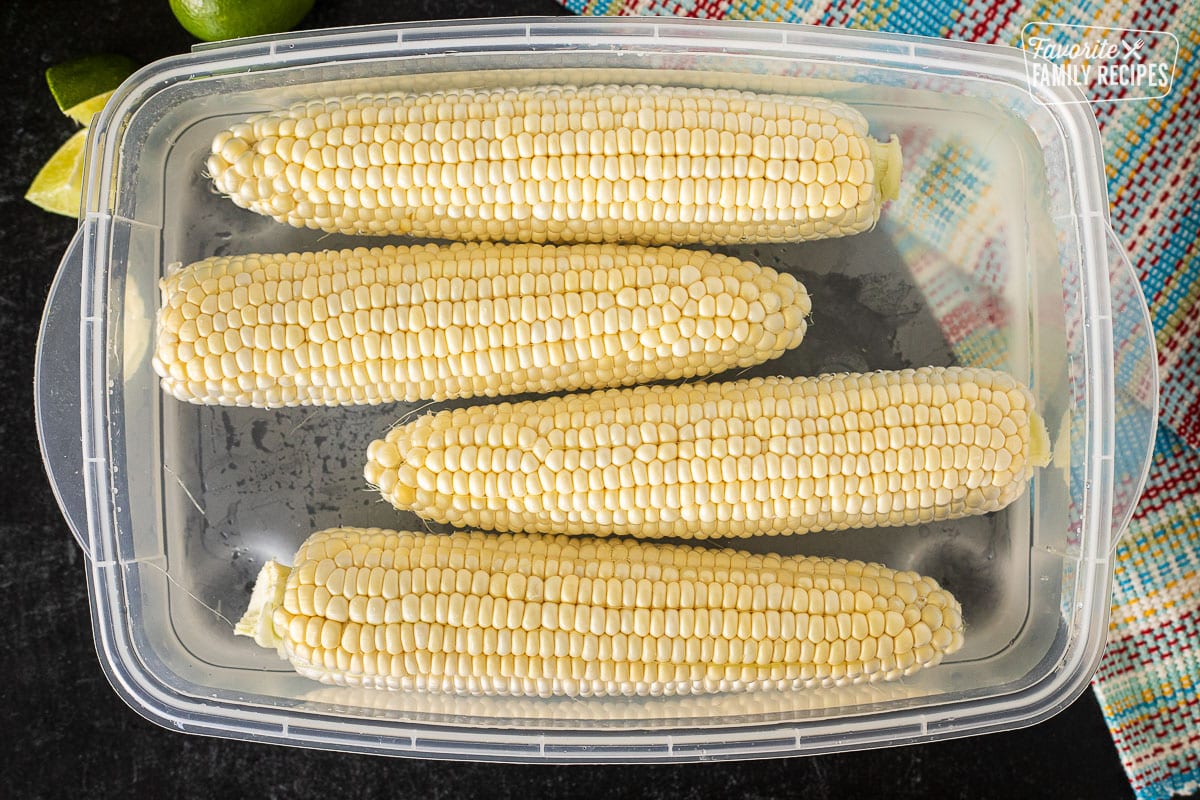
(1147, 684)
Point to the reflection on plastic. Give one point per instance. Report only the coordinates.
(746, 708)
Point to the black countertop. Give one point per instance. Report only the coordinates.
(67, 732)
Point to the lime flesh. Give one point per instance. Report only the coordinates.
(58, 187)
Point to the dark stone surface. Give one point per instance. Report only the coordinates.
(66, 733)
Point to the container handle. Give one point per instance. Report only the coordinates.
(57, 394)
(1135, 372)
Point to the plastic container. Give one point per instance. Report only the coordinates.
(176, 506)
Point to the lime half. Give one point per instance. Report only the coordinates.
(81, 87)
(214, 20)
(58, 187)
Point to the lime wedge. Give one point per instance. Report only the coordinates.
(84, 112)
(58, 187)
(81, 87)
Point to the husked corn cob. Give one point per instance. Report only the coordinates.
(761, 456)
(557, 615)
(436, 322)
(642, 164)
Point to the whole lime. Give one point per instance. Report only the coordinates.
(213, 20)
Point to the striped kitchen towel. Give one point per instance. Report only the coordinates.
(1147, 683)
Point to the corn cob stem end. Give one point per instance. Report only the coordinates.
(1039, 441)
(267, 596)
(888, 163)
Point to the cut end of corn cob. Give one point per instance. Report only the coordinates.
(640, 164)
(268, 595)
(743, 458)
(888, 164)
(435, 322)
(1040, 451)
(480, 614)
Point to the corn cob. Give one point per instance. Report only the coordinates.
(640, 164)
(436, 322)
(760, 456)
(555, 615)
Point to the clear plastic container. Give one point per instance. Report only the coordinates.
(176, 506)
